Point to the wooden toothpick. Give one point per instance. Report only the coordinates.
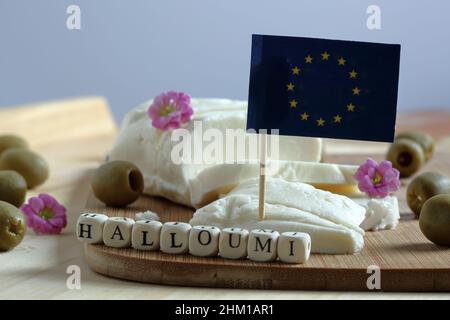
(262, 176)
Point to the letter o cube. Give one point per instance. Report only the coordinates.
(294, 247)
(90, 227)
(117, 232)
(204, 241)
(175, 237)
(262, 245)
(233, 243)
(145, 235)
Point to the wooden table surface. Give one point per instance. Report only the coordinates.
(74, 136)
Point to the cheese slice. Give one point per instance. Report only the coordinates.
(335, 208)
(150, 149)
(219, 179)
(240, 210)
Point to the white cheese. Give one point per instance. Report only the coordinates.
(150, 149)
(381, 214)
(219, 179)
(242, 211)
(335, 208)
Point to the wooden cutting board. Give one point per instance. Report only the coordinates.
(407, 260)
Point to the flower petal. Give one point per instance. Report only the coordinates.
(58, 223)
(27, 210)
(36, 204)
(30, 221)
(59, 210)
(48, 200)
(384, 167)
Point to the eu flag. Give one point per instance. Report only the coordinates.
(323, 88)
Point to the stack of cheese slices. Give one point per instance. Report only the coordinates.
(302, 194)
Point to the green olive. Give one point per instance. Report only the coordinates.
(423, 139)
(117, 183)
(434, 219)
(425, 186)
(12, 141)
(406, 156)
(12, 226)
(28, 164)
(13, 188)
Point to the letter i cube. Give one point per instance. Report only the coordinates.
(294, 247)
(175, 237)
(262, 245)
(233, 243)
(145, 235)
(90, 227)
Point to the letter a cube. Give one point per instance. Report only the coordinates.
(117, 232)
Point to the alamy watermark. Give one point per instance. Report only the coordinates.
(229, 146)
(73, 21)
(73, 281)
(374, 280)
(374, 19)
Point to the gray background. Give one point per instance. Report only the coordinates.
(130, 51)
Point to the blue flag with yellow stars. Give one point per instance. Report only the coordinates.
(323, 88)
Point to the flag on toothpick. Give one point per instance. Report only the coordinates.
(323, 88)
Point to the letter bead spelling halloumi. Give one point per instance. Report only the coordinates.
(117, 232)
(204, 241)
(174, 237)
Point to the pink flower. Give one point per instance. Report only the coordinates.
(170, 110)
(377, 180)
(44, 214)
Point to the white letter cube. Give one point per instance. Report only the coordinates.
(233, 243)
(262, 245)
(175, 237)
(145, 235)
(117, 232)
(294, 247)
(90, 227)
(204, 241)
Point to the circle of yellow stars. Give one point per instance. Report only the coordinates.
(350, 107)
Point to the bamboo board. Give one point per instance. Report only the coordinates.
(407, 260)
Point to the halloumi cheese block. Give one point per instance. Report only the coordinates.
(381, 214)
(219, 179)
(333, 207)
(240, 210)
(150, 149)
